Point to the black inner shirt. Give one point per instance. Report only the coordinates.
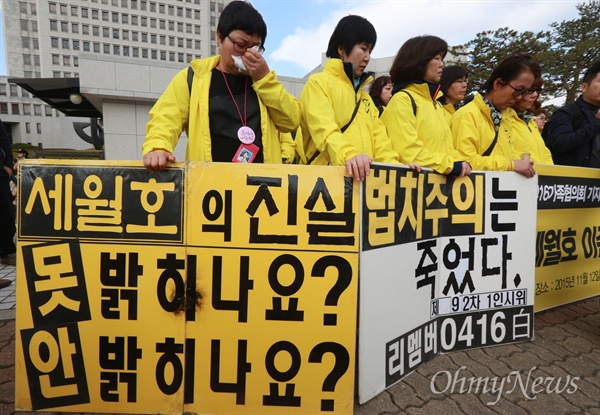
(224, 117)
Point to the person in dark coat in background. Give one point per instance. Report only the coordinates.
(7, 216)
(573, 132)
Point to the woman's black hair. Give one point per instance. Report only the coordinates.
(350, 31)
(377, 87)
(241, 15)
(451, 74)
(411, 60)
(510, 69)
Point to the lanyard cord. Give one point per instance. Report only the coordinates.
(243, 120)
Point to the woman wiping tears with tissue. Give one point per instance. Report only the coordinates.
(231, 106)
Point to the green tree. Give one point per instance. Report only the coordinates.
(564, 52)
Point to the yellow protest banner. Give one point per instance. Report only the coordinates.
(207, 288)
(568, 235)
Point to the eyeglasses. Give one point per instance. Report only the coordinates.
(520, 93)
(241, 48)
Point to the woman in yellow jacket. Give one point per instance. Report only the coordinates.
(340, 123)
(480, 131)
(454, 87)
(415, 121)
(232, 107)
(527, 137)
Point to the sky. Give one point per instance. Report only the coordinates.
(298, 30)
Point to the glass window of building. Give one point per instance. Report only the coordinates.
(52, 8)
(105, 15)
(135, 52)
(36, 43)
(84, 12)
(162, 24)
(74, 11)
(134, 20)
(125, 34)
(153, 22)
(144, 53)
(95, 14)
(197, 44)
(115, 17)
(116, 33)
(23, 7)
(196, 29)
(26, 109)
(143, 5)
(48, 110)
(74, 27)
(96, 47)
(134, 4)
(144, 37)
(15, 109)
(3, 108)
(24, 25)
(38, 127)
(54, 42)
(37, 109)
(213, 6)
(144, 21)
(153, 38)
(53, 25)
(197, 14)
(116, 50)
(179, 11)
(27, 60)
(65, 43)
(106, 48)
(180, 27)
(189, 57)
(56, 74)
(27, 127)
(171, 41)
(34, 26)
(188, 43)
(161, 8)
(180, 57)
(115, 3)
(125, 50)
(36, 60)
(64, 27)
(3, 89)
(154, 54)
(86, 46)
(171, 25)
(188, 28)
(163, 40)
(66, 60)
(25, 42)
(163, 55)
(123, 3)
(63, 9)
(67, 74)
(188, 13)
(125, 18)
(85, 29)
(75, 44)
(135, 36)
(172, 56)
(96, 31)
(105, 32)
(180, 42)
(76, 62)
(152, 6)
